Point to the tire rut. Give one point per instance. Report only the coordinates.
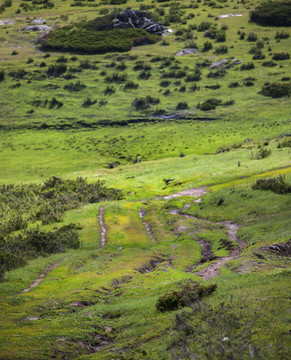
(40, 278)
(213, 269)
(142, 213)
(102, 226)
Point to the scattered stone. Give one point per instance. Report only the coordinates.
(38, 21)
(225, 63)
(40, 28)
(228, 15)
(137, 19)
(7, 22)
(186, 52)
(32, 318)
(174, 246)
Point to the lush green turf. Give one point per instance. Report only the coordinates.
(99, 303)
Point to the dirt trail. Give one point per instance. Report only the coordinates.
(190, 192)
(142, 213)
(102, 226)
(40, 278)
(213, 269)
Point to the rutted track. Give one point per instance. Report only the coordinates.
(213, 269)
(40, 278)
(102, 226)
(142, 213)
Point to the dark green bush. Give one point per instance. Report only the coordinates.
(182, 105)
(261, 154)
(223, 49)
(281, 35)
(89, 38)
(277, 185)
(276, 90)
(77, 86)
(209, 104)
(281, 56)
(145, 103)
(252, 36)
(56, 70)
(187, 293)
(207, 46)
(274, 13)
(247, 66)
(284, 143)
(2, 75)
(89, 102)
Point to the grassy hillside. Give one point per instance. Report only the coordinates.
(145, 194)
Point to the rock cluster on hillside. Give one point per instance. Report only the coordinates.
(137, 19)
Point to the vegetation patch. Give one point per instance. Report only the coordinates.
(273, 13)
(96, 36)
(276, 90)
(278, 185)
(188, 293)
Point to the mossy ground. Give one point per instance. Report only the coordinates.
(99, 303)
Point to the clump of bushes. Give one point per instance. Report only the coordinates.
(261, 154)
(223, 49)
(277, 184)
(182, 105)
(276, 90)
(247, 66)
(96, 36)
(281, 56)
(46, 203)
(281, 35)
(77, 86)
(284, 143)
(274, 13)
(209, 104)
(188, 292)
(89, 102)
(145, 103)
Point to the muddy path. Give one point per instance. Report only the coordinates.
(102, 226)
(142, 213)
(40, 278)
(213, 269)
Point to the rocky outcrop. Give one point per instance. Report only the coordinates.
(137, 19)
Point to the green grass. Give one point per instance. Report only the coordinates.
(106, 296)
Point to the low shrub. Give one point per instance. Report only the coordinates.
(223, 49)
(145, 103)
(2, 75)
(188, 292)
(57, 70)
(284, 143)
(89, 102)
(252, 36)
(281, 35)
(276, 90)
(77, 86)
(261, 154)
(116, 78)
(130, 85)
(182, 105)
(277, 184)
(269, 63)
(247, 66)
(281, 56)
(109, 90)
(209, 104)
(207, 46)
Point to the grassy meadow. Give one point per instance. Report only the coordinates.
(136, 122)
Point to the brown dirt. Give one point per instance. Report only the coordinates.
(102, 226)
(40, 278)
